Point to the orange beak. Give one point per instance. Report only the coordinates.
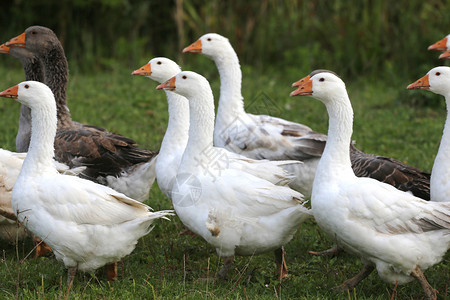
(4, 49)
(195, 47)
(445, 55)
(11, 92)
(145, 70)
(420, 84)
(18, 41)
(439, 46)
(304, 87)
(168, 85)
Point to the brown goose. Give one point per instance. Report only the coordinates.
(110, 158)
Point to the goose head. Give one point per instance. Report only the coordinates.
(33, 94)
(441, 45)
(159, 69)
(185, 83)
(20, 53)
(436, 80)
(35, 38)
(323, 85)
(445, 55)
(212, 45)
(4, 49)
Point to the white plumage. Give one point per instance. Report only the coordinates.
(87, 225)
(257, 136)
(399, 234)
(238, 205)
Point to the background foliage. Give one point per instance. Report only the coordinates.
(353, 38)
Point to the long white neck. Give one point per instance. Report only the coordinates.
(177, 132)
(41, 151)
(231, 103)
(440, 174)
(335, 160)
(201, 127)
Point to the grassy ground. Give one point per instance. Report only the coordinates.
(388, 121)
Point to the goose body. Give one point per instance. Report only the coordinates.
(437, 80)
(266, 137)
(110, 159)
(226, 198)
(395, 232)
(87, 225)
(10, 165)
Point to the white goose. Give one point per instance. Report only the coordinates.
(261, 136)
(437, 80)
(224, 197)
(10, 165)
(175, 139)
(87, 225)
(257, 136)
(399, 234)
(442, 45)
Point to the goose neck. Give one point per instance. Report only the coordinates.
(444, 147)
(231, 100)
(337, 150)
(201, 124)
(41, 149)
(178, 125)
(56, 77)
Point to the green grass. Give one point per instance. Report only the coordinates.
(388, 121)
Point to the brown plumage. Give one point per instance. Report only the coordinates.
(391, 171)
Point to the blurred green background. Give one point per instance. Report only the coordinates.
(383, 38)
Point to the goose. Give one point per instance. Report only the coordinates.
(86, 224)
(445, 55)
(34, 70)
(221, 196)
(441, 45)
(110, 158)
(161, 69)
(10, 165)
(437, 80)
(393, 231)
(176, 137)
(261, 136)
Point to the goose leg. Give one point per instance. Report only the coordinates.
(227, 263)
(71, 275)
(282, 270)
(329, 252)
(41, 248)
(350, 284)
(430, 292)
(111, 272)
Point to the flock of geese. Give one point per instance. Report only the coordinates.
(240, 181)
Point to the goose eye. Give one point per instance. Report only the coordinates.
(208, 39)
(184, 77)
(322, 79)
(26, 86)
(33, 32)
(438, 73)
(158, 63)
